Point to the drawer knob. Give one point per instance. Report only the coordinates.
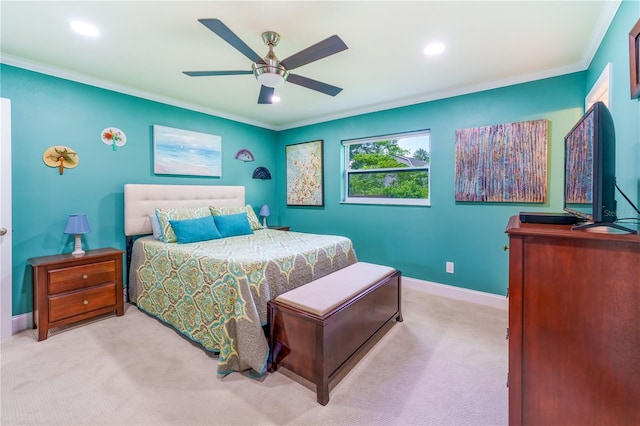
(85, 302)
(505, 247)
(85, 276)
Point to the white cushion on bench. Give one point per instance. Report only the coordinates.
(325, 294)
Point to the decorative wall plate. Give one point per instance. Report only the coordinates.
(61, 157)
(113, 136)
(261, 173)
(244, 155)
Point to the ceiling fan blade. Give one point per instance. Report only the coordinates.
(266, 93)
(327, 47)
(314, 84)
(208, 73)
(229, 36)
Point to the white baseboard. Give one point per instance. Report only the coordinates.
(21, 322)
(25, 321)
(458, 293)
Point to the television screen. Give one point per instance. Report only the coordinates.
(578, 191)
(590, 170)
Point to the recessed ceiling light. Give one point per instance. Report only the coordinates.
(434, 49)
(275, 99)
(85, 29)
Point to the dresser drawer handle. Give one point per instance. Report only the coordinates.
(85, 302)
(85, 276)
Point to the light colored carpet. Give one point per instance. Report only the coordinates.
(446, 364)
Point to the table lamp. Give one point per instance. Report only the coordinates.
(77, 225)
(264, 212)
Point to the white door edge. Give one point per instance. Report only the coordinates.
(6, 281)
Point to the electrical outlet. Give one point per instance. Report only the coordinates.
(449, 267)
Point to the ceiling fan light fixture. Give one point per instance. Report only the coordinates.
(270, 75)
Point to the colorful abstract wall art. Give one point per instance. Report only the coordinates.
(502, 163)
(305, 185)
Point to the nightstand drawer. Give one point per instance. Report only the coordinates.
(79, 277)
(71, 304)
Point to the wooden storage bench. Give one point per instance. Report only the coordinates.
(316, 328)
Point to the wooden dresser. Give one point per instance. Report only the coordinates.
(574, 326)
(67, 289)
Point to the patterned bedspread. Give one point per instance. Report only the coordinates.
(216, 292)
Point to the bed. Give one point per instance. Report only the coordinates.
(215, 292)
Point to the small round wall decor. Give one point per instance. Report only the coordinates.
(244, 155)
(113, 136)
(61, 157)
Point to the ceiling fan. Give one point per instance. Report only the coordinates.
(270, 71)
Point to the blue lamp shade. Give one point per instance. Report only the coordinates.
(77, 224)
(264, 212)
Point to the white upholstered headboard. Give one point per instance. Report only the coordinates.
(141, 200)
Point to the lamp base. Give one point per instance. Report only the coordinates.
(264, 222)
(78, 247)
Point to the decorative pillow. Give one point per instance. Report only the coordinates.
(251, 215)
(165, 215)
(193, 230)
(155, 227)
(231, 225)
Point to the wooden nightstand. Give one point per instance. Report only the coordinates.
(279, 228)
(67, 289)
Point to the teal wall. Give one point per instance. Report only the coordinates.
(625, 111)
(49, 111)
(419, 240)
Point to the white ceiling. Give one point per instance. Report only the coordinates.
(145, 45)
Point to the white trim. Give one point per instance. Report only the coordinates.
(6, 271)
(457, 293)
(445, 94)
(388, 201)
(21, 322)
(597, 35)
(609, 11)
(601, 90)
(399, 135)
(25, 321)
(27, 64)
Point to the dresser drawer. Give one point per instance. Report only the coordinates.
(79, 277)
(71, 304)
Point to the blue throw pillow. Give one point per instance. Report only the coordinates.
(155, 227)
(193, 230)
(232, 225)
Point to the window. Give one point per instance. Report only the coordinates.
(390, 169)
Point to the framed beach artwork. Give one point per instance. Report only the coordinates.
(305, 174)
(183, 152)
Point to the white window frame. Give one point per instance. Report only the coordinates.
(384, 201)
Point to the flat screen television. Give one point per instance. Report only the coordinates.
(590, 170)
